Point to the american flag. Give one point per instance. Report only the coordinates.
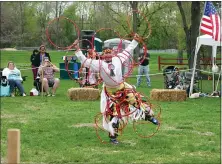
(210, 23)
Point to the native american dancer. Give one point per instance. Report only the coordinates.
(117, 97)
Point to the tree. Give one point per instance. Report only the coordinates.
(10, 24)
(30, 20)
(191, 32)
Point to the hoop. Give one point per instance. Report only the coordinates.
(82, 66)
(144, 17)
(67, 61)
(97, 127)
(56, 19)
(142, 122)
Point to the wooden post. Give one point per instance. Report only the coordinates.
(13, 154)
(159, 63)
(42, 79)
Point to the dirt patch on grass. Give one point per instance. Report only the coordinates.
(83, 125)
(23, 121)
(204, 133)
(170, 128)
(130, 142)
(188, 128)
(198, 153)
(17, 118)
(7, 115)
(32, 107)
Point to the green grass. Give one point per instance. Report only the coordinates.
(190, 130)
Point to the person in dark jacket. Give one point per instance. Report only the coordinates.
(40, 56)
(143, 68)
(34, 66)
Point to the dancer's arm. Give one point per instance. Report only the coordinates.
(90, 63)
(128, 52)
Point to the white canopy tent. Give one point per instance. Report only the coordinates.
(206, 40)
(209, 41)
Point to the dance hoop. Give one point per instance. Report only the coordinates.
(48, 36)
(144, 18)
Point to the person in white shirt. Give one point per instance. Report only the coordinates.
(13, 75)
(114, 89)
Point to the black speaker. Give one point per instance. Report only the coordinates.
(87, 34)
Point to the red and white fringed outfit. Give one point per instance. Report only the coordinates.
(113, 85)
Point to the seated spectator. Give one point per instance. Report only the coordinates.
(14, 78)
(46, 72)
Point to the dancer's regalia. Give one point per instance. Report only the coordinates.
(118, 98)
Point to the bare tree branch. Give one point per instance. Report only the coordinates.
(117, 21)
(150, 15)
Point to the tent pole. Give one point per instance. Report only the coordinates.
(194, 67)
(195, 58)
(213, 79)
(218, 81)
(214, 54)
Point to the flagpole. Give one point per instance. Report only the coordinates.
(195, 58)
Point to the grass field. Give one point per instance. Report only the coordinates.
(190, 130)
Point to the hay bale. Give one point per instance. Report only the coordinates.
(168, 95)
(83, 94)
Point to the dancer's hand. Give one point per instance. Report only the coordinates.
(137, 38)
(76, 45)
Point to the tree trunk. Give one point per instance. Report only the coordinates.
(21, 23)
(134, 6)
(192, 32)
(186, 30)
(135, 20)
(195, 22)
(57, 24)
(179, 57)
